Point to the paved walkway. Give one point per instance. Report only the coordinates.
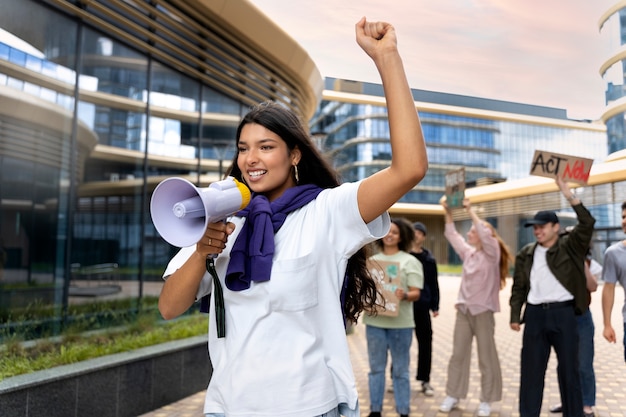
(609, 366)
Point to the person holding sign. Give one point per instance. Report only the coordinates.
(485, 268)
(550, 280)
(290, 269)
(393, 333)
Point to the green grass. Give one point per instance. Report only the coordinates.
(17, 358)
(449, 269)
(37, 319)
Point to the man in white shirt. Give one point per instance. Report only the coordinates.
(549, 279)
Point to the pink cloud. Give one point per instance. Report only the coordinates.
(536, 52)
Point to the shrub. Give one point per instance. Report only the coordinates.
(21, 358)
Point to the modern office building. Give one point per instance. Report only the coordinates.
(494, 141)
(99, 102)
(102, 100)
(612, 26)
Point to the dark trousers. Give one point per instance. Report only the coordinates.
(549, 326)
(424, 335)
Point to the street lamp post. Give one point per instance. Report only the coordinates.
(319, 138)
(221, 147)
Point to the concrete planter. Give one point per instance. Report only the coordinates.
(120, 385)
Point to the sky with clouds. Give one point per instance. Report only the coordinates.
(539, 52)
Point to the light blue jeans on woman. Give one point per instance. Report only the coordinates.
(398, 343)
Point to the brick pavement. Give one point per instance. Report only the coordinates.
(609, 367)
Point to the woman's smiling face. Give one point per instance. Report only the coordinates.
(392, 239)
(265, 161)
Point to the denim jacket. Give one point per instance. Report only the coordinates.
(566, 261)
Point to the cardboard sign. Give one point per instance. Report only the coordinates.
(386, 275)
(455, 188)
(551, 165)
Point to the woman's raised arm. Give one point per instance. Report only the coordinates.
(409, 161)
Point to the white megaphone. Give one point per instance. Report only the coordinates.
(181, 211)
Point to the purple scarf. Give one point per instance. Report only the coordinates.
(252, 254)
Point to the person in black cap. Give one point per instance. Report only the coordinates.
(549, 278)
(428, 301)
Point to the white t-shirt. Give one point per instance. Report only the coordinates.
(544, 286)
(595, 268)
(285, 353)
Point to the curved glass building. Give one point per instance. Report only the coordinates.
(99, 102)
(612, 26)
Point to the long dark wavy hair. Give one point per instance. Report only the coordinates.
(361, 292)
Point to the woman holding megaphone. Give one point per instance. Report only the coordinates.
(286, 272)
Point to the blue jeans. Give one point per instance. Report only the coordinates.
(625, 341)
(398, 343)
(585, 358)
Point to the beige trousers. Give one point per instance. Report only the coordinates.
(466, 327)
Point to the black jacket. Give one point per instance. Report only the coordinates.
(566, 261)
(429, 295)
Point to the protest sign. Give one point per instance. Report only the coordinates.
(386, 275)
(570, 168)
(455, 187)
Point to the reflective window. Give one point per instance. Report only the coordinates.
(35, 163)
(613, 33)
(487, 148)
(107, 162)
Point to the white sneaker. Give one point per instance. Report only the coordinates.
(484, 410)
(427, 389)
(448, 404)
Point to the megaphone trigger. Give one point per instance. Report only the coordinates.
(181, 211)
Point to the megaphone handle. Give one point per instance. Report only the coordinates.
(220, 310)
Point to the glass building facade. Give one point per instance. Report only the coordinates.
(493, 140)
(612, 27)
(99, 102)
(613, 70)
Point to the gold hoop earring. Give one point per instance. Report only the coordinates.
(295, 171)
